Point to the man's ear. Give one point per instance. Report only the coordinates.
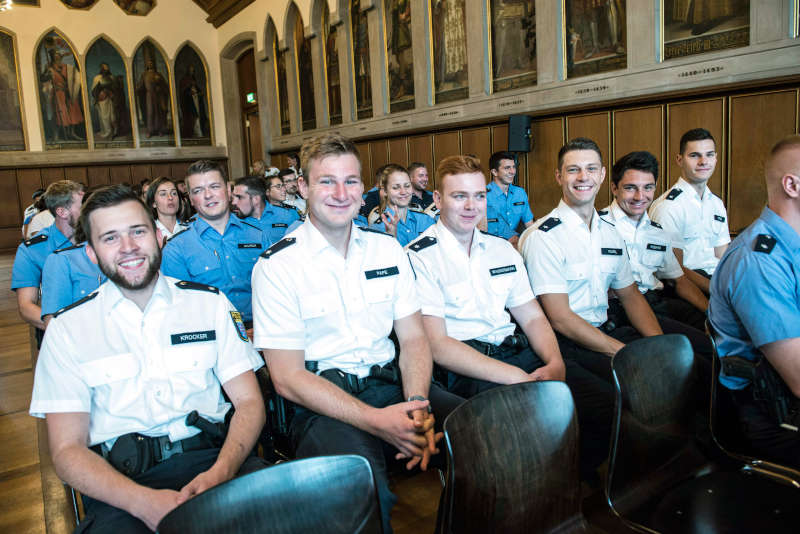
(791, 185)
(91, 253)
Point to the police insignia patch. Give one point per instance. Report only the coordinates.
(239, 324)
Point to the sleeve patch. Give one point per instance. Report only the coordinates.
(765, 243)
(236, 317)
(277, 247)
(422, 243)
(185, 284)
(672, 195)
(39, 238)
(549, 224)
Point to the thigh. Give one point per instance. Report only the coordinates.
(766, 437)
(595, 362)
(442, 402)
(699, 340)
(680, 310)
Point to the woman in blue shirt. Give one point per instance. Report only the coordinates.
(393, 215)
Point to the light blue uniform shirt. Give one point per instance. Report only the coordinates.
(755, 291)
(68, 276)
(200, 254)
(408, 231)
(275, 221)
(504, 212)
(31, 255)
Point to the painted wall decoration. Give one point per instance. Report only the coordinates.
(109, 109)
(12, 136)
(283, 93)
(596, 37)
(699, 26)
(305, 74)
(513, 44)
(449, 26)
(191, 86)
(152, 97)
(360, 29)
(399, 54)
(332, 68)
(136, 7)
(78, 4)
(60, 93)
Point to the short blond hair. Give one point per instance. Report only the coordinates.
(322, 146)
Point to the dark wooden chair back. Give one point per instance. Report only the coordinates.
(513, 462)
(331, 494)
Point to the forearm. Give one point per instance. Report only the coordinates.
(245, 426)
(29, 309)
(639, 313)
(689, 292)
(700, 281)
(416, 365)
(462, 359)
(584, 334)
(543, 340)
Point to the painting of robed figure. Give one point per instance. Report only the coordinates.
(12, 136)
(360, 29)
(700, 26)
(153, 100)
(60, 93)
(449, 25)
(399, 54)
(513, 44)
(596, 36)
(110, 114)
(332, 68)
(192, 89)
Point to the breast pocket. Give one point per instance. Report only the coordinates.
(653, 254)
(203, 267)
(110, 369)
(189, 365)
(320, 305)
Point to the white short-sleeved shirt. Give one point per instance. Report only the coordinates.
(340, 311)
(135, 371)
(697, 225)
(563, 255)
(179, 227)
(469, 292)
(649, 248)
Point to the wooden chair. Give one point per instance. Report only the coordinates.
(330, 494)
(512, 463)
(658, 479)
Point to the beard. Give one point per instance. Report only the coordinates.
(113, 274)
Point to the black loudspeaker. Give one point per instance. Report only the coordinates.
(519, 133)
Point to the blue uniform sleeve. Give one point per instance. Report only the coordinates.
(56, 285)
(172, 263)
(25, 273)
(527, 214)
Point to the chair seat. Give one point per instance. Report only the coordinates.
(729, 502)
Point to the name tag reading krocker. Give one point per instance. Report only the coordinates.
(611, 251)
(381, 273)
(503, 270)
(193, 337)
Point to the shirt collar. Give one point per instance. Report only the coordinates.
(492, 187)
(570, 218)
(201, 225)
(58, 237)
(316, 242)
(683, 185)
(112, 296)
(450, 242)
(784, 233)
(618, 215)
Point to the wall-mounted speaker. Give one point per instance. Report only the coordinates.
(519, 133)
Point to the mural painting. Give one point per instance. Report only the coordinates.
(191, 87)
(332, 68)
(136, 7)
(152, 96)
(107, 80)
(12, 136)
(283, 94)
(595, 36)
(449, 26)
(360, 29)
(699, 26)
(399, 54)
(78, 4)
(513, 44)
(305, 75)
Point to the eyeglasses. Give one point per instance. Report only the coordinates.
(277, 186)
(290, 181)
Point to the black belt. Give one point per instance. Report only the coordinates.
(134, 453)
(387, 374)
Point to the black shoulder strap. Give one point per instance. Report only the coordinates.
(549, 224)
(765, 243)
(186, 284)
(75, 304)
(422, 243)
(38, 238)
(280, 245)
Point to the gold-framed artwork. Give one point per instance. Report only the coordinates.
(399, 54)
(333, 78)
(12, 130)
(513, 38)
(108, 95)
(361, 68)
(153, 96)
(193, 96)
(305, 75)
(449, 39)
(595, 36)
(78, 4)
(136, 7)
(692, 27)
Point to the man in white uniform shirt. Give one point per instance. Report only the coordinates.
(466, 279)
(325, 299)
(119, 371)
(694, 215)
(574, 256)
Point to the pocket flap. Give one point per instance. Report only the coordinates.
(110, 369)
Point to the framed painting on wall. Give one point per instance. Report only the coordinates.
(107, 80)
(136, 7)
(513, 27)
(332, 68)
(60, 86)
(305, 75)
(12, 134)
(283, 94)
(152, 97)
(363, 81)
(399, 54)
(78, 4)
(700, 26)
(191, 84)
(595, 36)
(449, 27)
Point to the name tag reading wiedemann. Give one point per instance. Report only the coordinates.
(193, 337)
(503, 270)
(380, 273)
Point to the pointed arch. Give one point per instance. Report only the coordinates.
(153, 90)
(108, 94)
(17, 135)
(193, 94)
(303, 79)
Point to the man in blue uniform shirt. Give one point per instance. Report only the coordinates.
(250, 202)
(754, 308)
(63, 199)
(506, 204)
(217, 249)
(277, 209)
(68, 276)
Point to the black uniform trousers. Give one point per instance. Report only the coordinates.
(313, 434)
(767, 439)
(593, 396)
(173, 473)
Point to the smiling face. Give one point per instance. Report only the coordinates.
(276, 191)
(698, 161)
(333, 190)
(505, 172)
(419, 179)
(166, 201)
(580, 176)
(461, 202)
(634, 192)
(398, 189)
(208, 193)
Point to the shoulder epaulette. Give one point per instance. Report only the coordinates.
(549, 224)
(192, 219)
(484, 232)
(176, 234)
(185, 284)
(672, 195)
(249, 224)
(653, 223)
(38, 238)
(422, 243)
(415, 207)
(607, 221)
(280, 245)
(602, 212)
(765, 243)
(373, 230)
(287, 206)
(73, 247)
(75, 304)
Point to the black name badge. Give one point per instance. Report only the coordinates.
(193, 337)
(380, 273)
(611, 251)
(491, 220)
(279, 225)
(653, 246)
(249, 245)
(719, 218)
(503, 270)
(521, 203)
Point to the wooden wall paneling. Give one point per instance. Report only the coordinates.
(684, 116)
(98, 176)
(420, 148)
(757, 122)
(76, 174)
(178, 169)
(28, 181)
(10, 237)
(499, 139)
(477, 141)
(595, 126)
(398, 151)
(120, 174)
(160, 169)
(141, 172)
(11, 203)
(640, 129)
(366, 166)
(379, 156)
(543, 190)
(445, 144)
(51, 174)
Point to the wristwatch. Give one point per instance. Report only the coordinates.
(420, 398)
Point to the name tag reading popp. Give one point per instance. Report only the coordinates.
(193, 337)
(503, 270)
(380, 273)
